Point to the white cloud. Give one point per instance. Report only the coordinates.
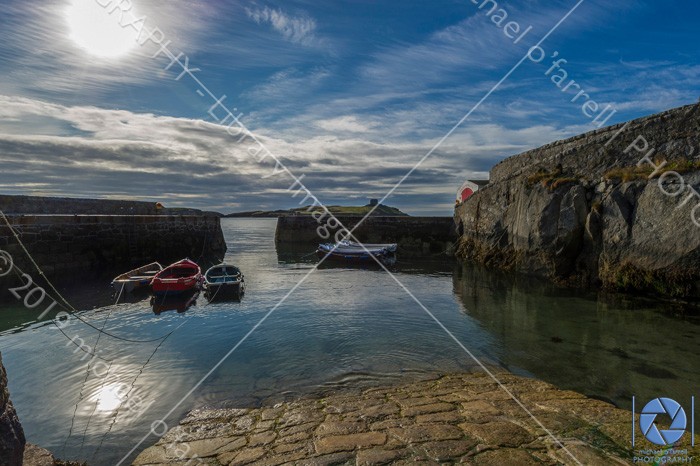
(296, 29)
(344, 124)
(40, 58)
(94, 152)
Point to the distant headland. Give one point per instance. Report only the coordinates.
(380, 210)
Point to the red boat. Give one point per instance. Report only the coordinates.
(177, 278)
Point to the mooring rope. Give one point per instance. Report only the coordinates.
(87, 376)
(65, 304)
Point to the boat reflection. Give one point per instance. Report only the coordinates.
(179, 303)
(295, 254)
(135, 296)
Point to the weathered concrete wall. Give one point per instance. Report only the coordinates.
(11, 434)
(583, 226)
(70, 244)
(413, 234)
(75, 206)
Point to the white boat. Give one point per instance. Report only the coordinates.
(388, 247)
(136, 279)
(354, 253)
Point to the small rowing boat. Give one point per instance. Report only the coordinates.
(353, 254)
(389, 247)
(136, 279)
(180, 277)
(224, 281)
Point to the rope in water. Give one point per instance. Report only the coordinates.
(65, 304)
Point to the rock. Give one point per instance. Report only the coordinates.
(37, 456)
(558, 212)
(499, 433)
(12, 439)
(339, 443)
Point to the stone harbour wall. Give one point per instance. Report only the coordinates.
(66, 245)
(40, 205)
(413, 234)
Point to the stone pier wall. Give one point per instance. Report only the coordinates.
(413, 234)
(65, 245)
(40, 205)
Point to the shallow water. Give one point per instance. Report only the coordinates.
(340, 328)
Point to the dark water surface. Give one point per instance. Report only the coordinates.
(340, 329)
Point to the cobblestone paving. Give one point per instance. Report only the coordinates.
(464, 418)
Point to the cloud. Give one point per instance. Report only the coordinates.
(345, 124)
(296, 29)
(94, 152)
(353, 122)
(38, 57)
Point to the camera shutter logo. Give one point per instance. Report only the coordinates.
(663, 436)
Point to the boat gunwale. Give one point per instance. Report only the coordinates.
(126, 276)
(236, 279)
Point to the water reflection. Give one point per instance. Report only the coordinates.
(179, 303)
(343, 328)
(577, 341)
(108, 398)
(305, 254)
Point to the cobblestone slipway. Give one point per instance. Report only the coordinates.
(459, 418)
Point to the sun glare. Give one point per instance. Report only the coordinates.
(93, 29)
(109, 398)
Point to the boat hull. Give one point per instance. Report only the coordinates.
(136, 280)
(358, 258)
(389, 248)
(216, 291)
(162, 287)
(130, 286)
(181, 277)
(224, 281)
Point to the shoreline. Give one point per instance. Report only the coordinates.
(455, 417)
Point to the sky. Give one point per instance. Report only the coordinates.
(349, 95)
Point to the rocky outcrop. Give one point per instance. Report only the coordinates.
(11, 434)
(590, 211)
(37, 456)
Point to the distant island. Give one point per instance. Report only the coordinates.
(381, 210)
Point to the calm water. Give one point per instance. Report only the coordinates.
(340, 329)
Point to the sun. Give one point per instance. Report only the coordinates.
(97, 32)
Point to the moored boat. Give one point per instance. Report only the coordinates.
(136, 279)
(352, 254)
(180, 277)
(388, 247)
(224, 281)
